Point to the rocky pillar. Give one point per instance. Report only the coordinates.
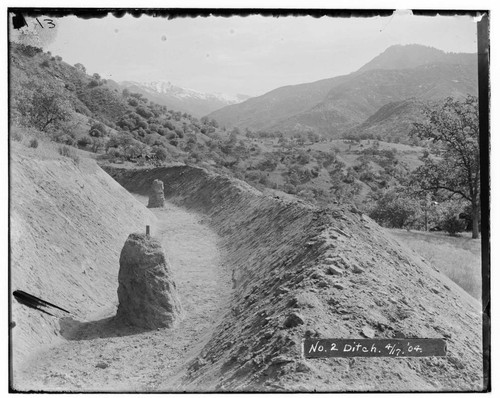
(147, 294)
(156, 196)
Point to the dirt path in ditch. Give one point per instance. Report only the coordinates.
(101, 356)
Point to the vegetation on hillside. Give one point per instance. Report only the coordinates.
(75, 109)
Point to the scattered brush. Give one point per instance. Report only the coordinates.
(68, 152)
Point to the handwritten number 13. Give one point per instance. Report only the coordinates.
(48, 21)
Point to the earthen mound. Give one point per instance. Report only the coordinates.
(147, 294)
(156, 196)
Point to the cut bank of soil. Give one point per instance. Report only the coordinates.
(68, 223)
(103, 356)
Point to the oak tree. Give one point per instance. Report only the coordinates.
(43, 107)
(454, 129)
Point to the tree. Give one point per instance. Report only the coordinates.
(97, 143)
(454, 128)
(81, 68)
(43, 107)
(214, 123)
(84, 141)
(97, 129)
(395, 208)
(160, 153)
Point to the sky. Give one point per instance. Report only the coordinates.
(246, 55)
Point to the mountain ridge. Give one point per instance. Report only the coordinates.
(351, 103)
(333, 106)
(398, 57)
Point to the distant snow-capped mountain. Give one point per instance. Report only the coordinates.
(183, 99)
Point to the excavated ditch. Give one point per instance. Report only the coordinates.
(303, 272)
(67, 227)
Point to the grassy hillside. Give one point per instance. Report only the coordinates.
(457, 257)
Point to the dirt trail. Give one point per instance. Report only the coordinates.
(101, 356)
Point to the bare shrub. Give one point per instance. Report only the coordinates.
(68, 152)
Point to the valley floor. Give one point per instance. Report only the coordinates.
(100, 355)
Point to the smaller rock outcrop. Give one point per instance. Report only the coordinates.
(147, 294)
(294, 319)
(156, 195)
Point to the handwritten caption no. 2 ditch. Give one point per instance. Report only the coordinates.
(324, 348)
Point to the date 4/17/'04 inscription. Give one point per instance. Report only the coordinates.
(325, 348)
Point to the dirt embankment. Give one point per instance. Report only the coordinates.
(338, 273)
(105, 354)
(67, 226)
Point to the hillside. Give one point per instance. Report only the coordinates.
(392, 122)
(334, 106)
(415, 55)
(265, 111)
(120, 126)
(117, 126)
(99, 117)
(349, 104)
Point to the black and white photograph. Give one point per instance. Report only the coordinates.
(271, 200)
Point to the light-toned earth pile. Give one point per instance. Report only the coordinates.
(147, 294)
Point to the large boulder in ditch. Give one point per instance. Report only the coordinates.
(156, 195)
(147, 293)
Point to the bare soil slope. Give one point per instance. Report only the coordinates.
(68, 222)
(101, 354)
(280, 252)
